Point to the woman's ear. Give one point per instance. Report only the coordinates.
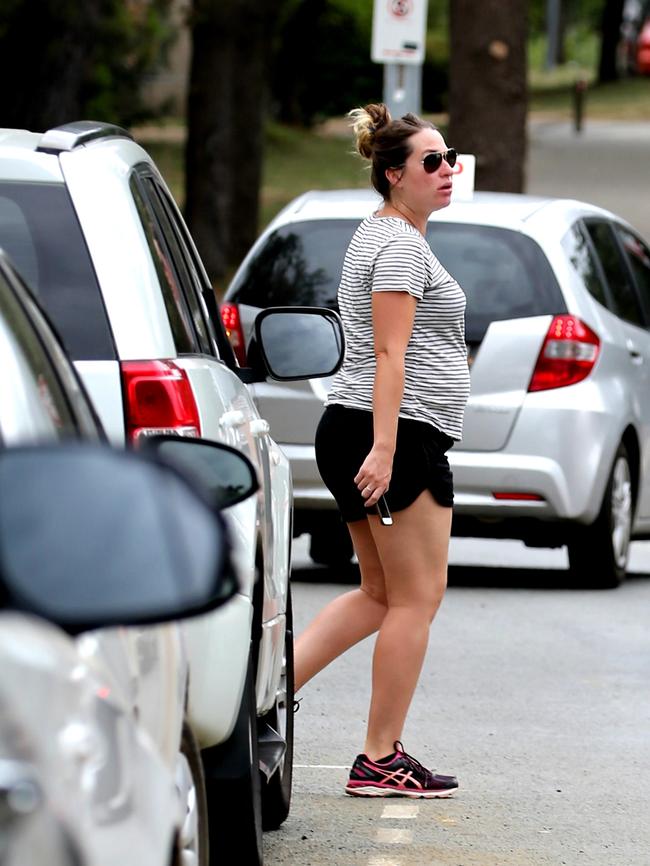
(393, 175)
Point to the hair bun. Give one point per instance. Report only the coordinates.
(366, 123)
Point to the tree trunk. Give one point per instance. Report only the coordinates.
(611, 34)
(225, 121)
(46, 50)
(488, 89)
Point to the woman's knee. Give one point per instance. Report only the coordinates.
(375, 590)
(424, 602)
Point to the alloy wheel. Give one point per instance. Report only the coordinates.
(621, 508)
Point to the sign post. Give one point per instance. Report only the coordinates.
(398, 41)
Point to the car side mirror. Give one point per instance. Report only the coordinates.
(298, 342)
(225, 475)
(91, 537)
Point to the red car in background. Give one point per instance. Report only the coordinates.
(643, 49)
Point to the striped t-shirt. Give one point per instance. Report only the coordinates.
(389, 254)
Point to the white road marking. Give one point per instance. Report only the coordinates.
(394, 836)
(404, 811)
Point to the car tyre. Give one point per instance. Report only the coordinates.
(234, 793)
(331, 544)
(193, 844)
(276, 794)
(598, 553)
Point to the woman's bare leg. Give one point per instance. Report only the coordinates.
(413, 554)
(347, 619)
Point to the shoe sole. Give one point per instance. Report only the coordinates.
(372, 791)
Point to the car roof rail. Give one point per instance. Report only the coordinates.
(77, 134)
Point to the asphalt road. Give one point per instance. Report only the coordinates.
(535, 695)
(607, 164)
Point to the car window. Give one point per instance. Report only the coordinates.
(180, 319)
(579, 252)
(298, 265)
(220, 343)
(175, 246)
(638, 257)
(40, 232)
(504, 274)
(624, 297)
(49, 387)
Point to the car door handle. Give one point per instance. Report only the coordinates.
(635, 355)
(260, 427)
(233, 418)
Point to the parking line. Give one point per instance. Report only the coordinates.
(394, 836)
(403, 811)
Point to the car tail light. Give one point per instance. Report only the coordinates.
(568, 355)
(514, 496)
(232, 323)
(159, 399)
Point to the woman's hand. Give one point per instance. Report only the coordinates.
(374, 476)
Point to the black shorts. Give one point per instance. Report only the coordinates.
(343, 440)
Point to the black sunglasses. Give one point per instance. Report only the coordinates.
(433, 161)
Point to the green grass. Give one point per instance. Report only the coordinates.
(552, 90)
(623, 100)
(299, 160)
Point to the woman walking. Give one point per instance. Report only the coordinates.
(394, 409)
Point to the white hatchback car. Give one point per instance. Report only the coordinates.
(95, 232)
(556, 444)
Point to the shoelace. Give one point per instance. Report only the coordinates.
(411, 761)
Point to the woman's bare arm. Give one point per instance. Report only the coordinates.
(392, 318)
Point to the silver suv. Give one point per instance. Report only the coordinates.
(556, 444)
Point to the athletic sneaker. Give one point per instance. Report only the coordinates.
(397, 775)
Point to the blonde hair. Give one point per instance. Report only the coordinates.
(365, 123)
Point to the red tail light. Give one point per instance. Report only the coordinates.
(568, 355)
(159, 399)
(517, 497)
(232, 323)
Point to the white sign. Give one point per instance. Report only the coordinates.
(463, 182)
(399, 31)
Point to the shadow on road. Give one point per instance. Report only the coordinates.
(484, 576)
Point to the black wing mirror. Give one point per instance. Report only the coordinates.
(296, 343)
(91, 537)
(225, 475)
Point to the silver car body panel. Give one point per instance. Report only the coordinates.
(22, 419)
(104, 386)
(101, 776)
(129, 283)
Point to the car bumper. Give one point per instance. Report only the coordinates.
(218, 645)
(560, 450)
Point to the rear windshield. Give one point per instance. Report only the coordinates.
(40, 232)
(504, 274)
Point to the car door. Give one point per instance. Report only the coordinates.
(637, 256)
(607, 239)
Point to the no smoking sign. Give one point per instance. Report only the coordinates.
(398, 31)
